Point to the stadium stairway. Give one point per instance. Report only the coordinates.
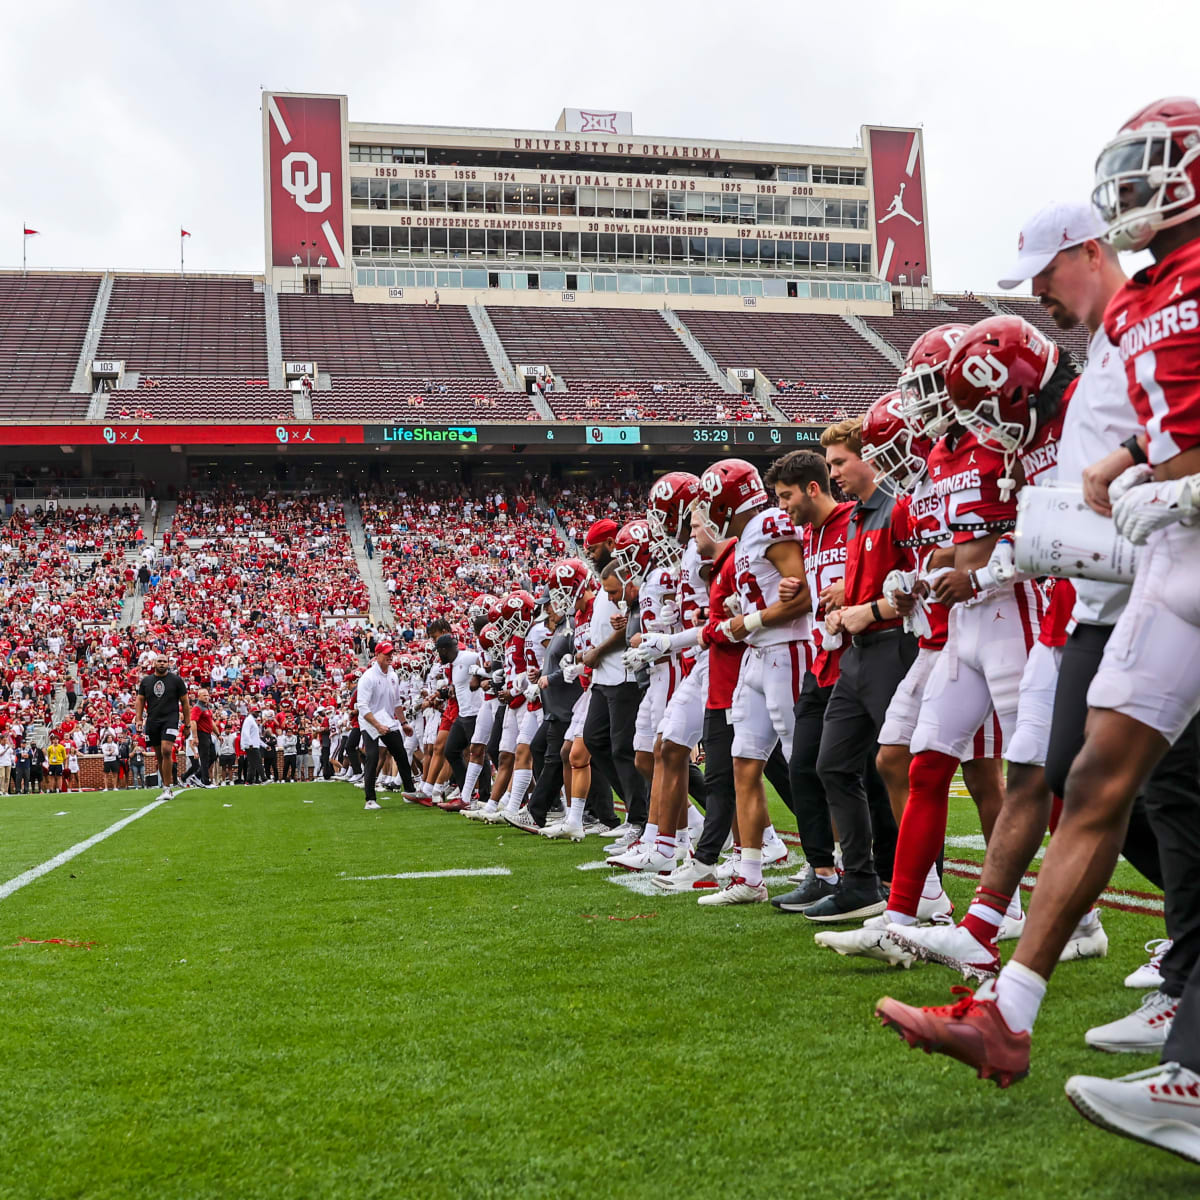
(497, 355)
(87, 351)
(275, 377)
(368, 568)
(885, 348)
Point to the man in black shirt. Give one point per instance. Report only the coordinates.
(161, 697)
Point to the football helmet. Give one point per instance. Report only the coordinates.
(568, 578)
(667, 514)
(727, 489)
(631, 552)
(482, 605)
(488, 638)
(994, 377)
(516, 616)
(925, 407)
(889, 446)
(1148, 176)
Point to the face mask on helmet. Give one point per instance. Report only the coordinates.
(1146, 178)
(897, 462)
(924, 405)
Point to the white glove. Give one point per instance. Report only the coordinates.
(1131, 477)
(917, 621)
(572, 672)
(668, 615)
(565, 661)
(532, 692)
(733, 605)
(896, 582)
(1142, 510)
(1002, 564)
(831, 641)
(659, 643)
(479, 672)
(637, 657)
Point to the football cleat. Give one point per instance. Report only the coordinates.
(971, 1030)
(417, 798)
(950, 945)
(1144, 1031)
(1159, 1106)
(456, 805)
(597, 829)
(690, 876)
(844, 905)
(658, 861)
(523, 821)
(372, 805)
(495, 817)
(1088, 940)
(1149, 975)
(477, 812)
(736, 891)
(631, 858)
(564, 830)
(1011, 928)
(866, 943)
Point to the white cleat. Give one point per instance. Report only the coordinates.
(630, 859)
(495, 817)
(564, 830)
(523, 821)
(1088, 940)
(1149, 975)
(625, 836)
(371, 805)
(165, 794)
(1144, 1031)
(690, 876)
(774, 854)
(867, 943)
(736, 891)
(1160, 1107)
(936, 910)
(951, 945)
(1011, 928)
(658, 862)
(477, 812)
(729, 867)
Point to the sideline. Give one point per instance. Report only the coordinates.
(451, 874)
(15, 885)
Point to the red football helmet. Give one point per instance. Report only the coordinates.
(568, 578)
(667, 514)
(631, 552)
(516, 616)
(925, 407)
(482, 606)
(727, 489)
(1148, 176)
(488, 638)
(889, 446)
(994, 376)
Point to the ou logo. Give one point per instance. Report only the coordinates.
(639, 532)
(301, 178)
(661, 490)
(566, 572)
(987, 372)
(710, 481)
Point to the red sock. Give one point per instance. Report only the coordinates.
(922, 828)
(1055, 812)
(984, 916)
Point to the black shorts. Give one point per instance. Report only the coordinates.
(227, 760)
(161, 732)
(110, 766)
(56, 769)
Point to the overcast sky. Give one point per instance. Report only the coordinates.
(125, 121)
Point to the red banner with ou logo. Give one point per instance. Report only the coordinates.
(305, 140)
(898, 192)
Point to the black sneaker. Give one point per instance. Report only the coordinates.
(846, 904)
(813, 889)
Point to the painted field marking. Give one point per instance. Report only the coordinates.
(14, 885)
(452, 874)
(62, 814)
(1136, 902)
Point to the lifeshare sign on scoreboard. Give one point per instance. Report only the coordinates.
(425, 433)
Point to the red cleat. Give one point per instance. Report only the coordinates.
(970, 1030)
(452, 805)
(417, 798)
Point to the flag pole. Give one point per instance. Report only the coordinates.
(181, 253)
(24, 246)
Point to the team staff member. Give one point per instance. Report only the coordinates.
(162, 697)
(376, 701)
(56, 756)
(202, 730)
(873, 664)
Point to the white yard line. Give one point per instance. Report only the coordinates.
(452, 874)
(14, 885)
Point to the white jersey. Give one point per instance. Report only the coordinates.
(692, 594)
(758, 579)
(470, 700)
(660, 584)
(536, 641)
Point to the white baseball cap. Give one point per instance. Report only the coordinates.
(1056, 227)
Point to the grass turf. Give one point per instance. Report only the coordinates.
(254, 1021)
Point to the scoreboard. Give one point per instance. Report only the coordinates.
(608, 436)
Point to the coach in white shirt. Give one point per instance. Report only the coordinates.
(377, 699)
(608, 730)
(252, 746)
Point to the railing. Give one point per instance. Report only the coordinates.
(77, 489)
(295, 287)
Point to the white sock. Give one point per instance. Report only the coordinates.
(426, 788)
(683, 839)
(1019, 993)
(695, 820)
(521, 779)
(897, 918)
(473, 772)
(666, 845)
(770, 837)
(492, 805)
(1013, 912)
(649, 833)
(575, 812)
(751, 868)
(932, 887)
(506, 803)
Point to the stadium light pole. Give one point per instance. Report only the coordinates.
(296, 264)
(321, 261)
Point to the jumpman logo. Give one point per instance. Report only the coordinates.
(1178, 290)
(896, 208)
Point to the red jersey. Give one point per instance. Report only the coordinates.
(1154, 321)
(927, 532)
(824, 565)
(724, 656)
(875, 536)
(1056, 620)
(966, 476)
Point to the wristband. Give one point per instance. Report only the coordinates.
(1135, 450)
(875, 610)
(753, 621)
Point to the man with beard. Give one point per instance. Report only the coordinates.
(162, 697)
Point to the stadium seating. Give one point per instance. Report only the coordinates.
(903, 328)
(372, 398)
(408, 340)
(817, 353)
(43, 325)
(175, 325)
(599, 352)
(208, 398)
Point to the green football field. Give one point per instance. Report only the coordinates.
(244, 1004)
